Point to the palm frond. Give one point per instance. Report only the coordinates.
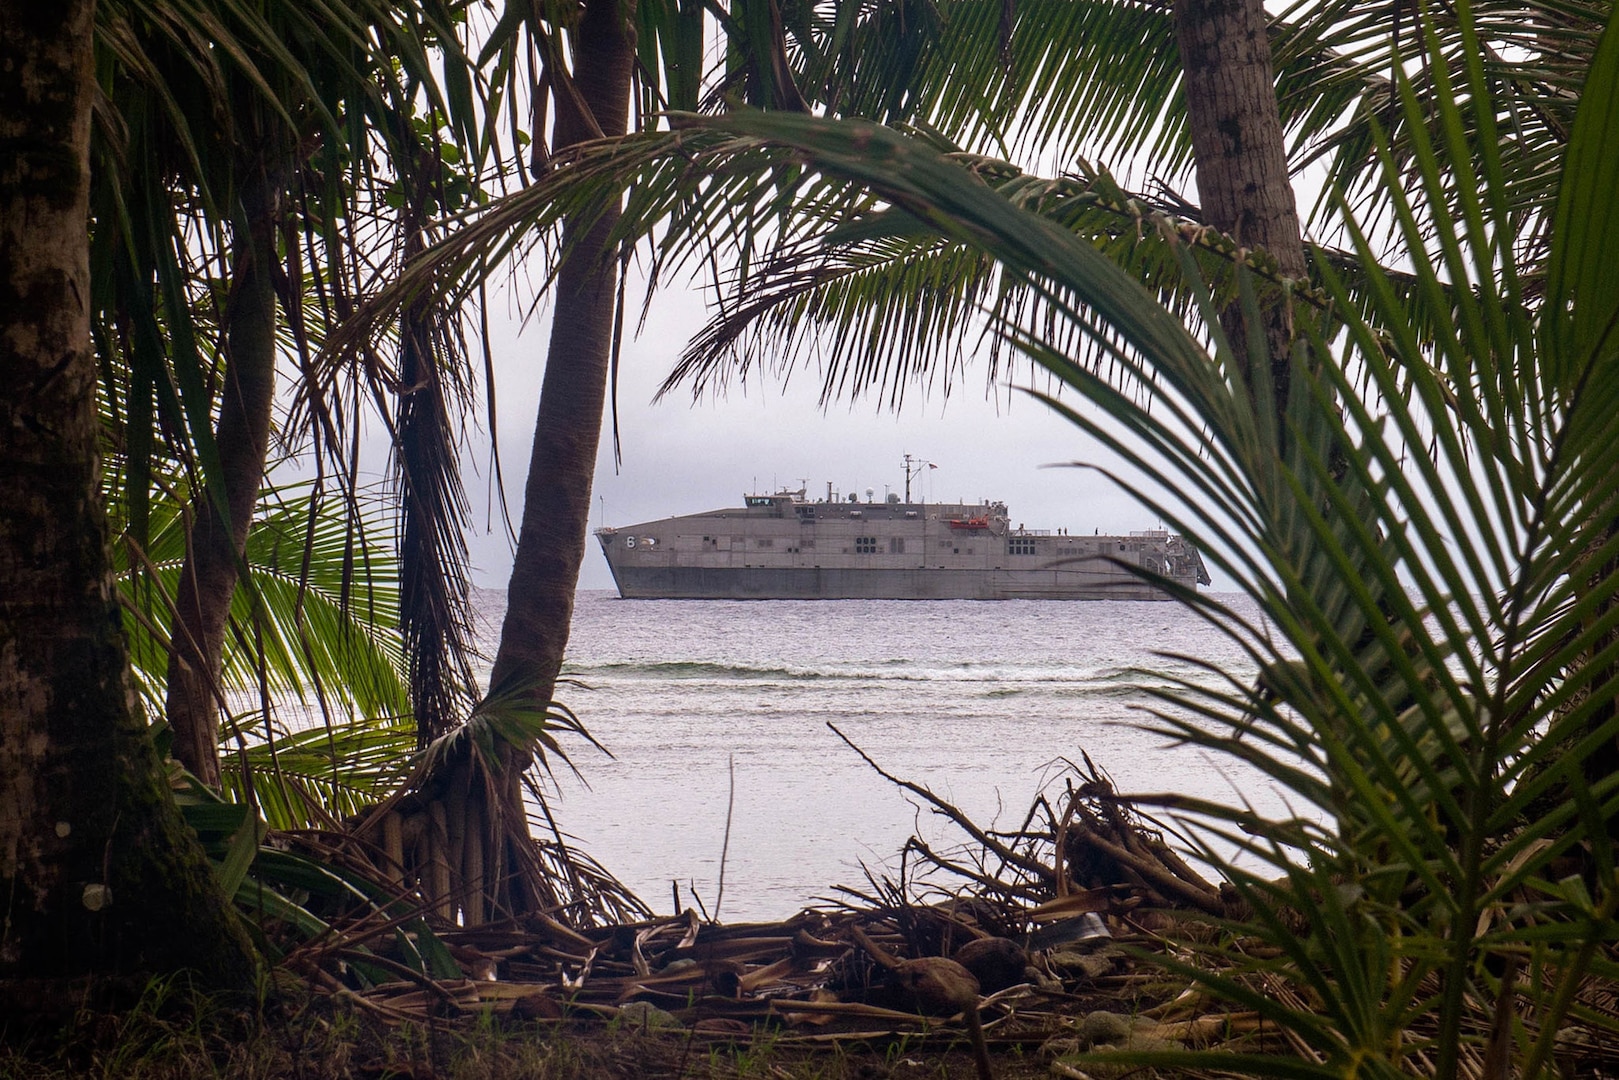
(307, 630)
(1439, 619)
(436, 618)
(880, 302)
(356, 103)
(1337, 65)
(316, 776)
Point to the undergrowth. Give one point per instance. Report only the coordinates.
(176, 1032)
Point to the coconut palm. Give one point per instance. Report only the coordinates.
(1436, 620)
(100, 873)
(244, 173)
(592, 100)
(884, 306)
(818, 259)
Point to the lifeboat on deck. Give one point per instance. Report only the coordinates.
(973, 523)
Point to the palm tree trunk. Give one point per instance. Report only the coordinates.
(208, 581)
(1239, 154)
(562, 464)
(98, 872)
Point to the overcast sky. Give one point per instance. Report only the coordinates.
(680, 457)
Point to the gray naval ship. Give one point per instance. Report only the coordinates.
(786, 547)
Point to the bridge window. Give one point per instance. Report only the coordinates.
(1020, 545)
(865, 545)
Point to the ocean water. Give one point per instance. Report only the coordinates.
(980, 701)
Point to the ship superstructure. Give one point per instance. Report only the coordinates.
(785, 546)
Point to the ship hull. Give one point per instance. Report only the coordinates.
(825, 583)
(785, 548)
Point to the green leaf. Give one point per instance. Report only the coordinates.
(240, 854)
(1582, 275)
(439, 963)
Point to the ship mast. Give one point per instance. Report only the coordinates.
(912, 468)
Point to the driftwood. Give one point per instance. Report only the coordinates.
(1037, 917)
(860, 970)
(1096, 841)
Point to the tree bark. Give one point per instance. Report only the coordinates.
(562, 464)
(1239, 155)
(208, 579)
(97, 872)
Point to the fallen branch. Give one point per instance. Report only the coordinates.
(1022, 862)
(1156, 876)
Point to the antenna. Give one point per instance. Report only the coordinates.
(914, 466)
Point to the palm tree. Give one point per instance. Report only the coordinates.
(275, 204)
(1236, 130)
(241, 440)
(886, 304)
(593, 101)
(876, 281)
(1436, 607)
(100, 873)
